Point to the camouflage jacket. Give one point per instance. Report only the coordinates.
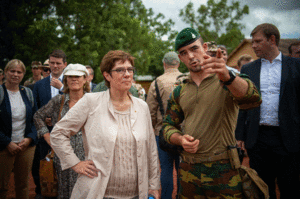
(31, 81)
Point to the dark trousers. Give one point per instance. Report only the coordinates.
(167, 164)
(272, 161)
(35, 170)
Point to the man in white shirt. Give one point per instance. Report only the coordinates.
(270, 133)
(50, 86)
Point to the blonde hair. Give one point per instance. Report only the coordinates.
(86, 86)
(13, 63)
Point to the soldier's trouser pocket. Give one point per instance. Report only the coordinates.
(209, 180)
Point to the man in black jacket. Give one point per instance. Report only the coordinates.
(271, 132)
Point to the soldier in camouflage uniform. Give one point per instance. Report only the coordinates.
(36, 73)
(180, 79)
(208, 102)
(45, 69)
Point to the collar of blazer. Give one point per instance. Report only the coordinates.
(133, 109)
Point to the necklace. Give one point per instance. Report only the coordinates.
(121, 106)
(72, 100)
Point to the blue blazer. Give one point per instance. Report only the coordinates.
(289, 106)
(42, 95)
(42, 92)
(6, 119)
(93, 86)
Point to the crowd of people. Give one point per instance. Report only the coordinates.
(106, 136)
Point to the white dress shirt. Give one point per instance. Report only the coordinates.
(55, 91)
(270, 79)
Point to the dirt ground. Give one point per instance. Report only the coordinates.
(11, 192)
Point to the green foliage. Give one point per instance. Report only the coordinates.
(217, 21)
(86, 31)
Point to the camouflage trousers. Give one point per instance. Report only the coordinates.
(213, 180)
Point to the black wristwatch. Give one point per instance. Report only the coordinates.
(232, 77)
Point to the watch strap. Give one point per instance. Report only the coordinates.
(232, 77)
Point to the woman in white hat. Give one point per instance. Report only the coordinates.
(75, 86)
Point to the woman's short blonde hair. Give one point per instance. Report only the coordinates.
(86, 86)
(13, 63)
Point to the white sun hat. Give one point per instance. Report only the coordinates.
(76, 70)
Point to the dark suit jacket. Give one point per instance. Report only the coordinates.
(42, 92)
(31, 86)
(6, 120)
(289, 106)
(42, 95)
(93, 86)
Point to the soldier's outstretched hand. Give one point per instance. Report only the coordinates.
(189, 143)
(216, 65)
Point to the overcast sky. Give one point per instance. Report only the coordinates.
(285, 14)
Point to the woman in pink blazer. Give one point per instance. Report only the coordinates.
(121, 159)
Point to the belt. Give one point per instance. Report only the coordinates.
(270, 127)
(193, 160)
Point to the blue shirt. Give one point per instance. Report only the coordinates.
(270, 79)
(55, 91)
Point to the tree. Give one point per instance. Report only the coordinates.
(86, 31)
(18, 39)
(217, 21)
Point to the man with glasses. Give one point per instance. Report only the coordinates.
(36, 73)
(46, 69)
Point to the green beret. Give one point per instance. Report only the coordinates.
(186, 37)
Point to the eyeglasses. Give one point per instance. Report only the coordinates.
(46, 69)
(122, 71)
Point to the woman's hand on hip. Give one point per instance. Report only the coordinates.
(87, 168)
(13, 148)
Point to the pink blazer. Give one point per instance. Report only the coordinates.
(94, 113)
